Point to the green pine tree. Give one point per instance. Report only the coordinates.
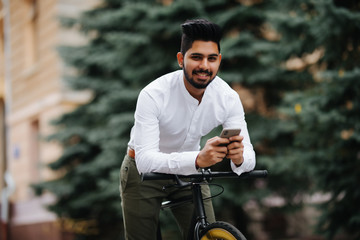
(314, 142)
(328, 124)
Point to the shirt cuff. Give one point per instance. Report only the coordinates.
(187, 162)
(247, 165)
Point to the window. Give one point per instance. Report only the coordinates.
(34, 151)
(31, 30)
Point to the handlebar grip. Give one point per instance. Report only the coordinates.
(255, 174)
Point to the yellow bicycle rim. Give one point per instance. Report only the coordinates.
(218, 233)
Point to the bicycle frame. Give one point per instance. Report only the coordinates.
(195, 182)
(199, 210)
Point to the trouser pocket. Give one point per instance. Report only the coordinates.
(124, 173)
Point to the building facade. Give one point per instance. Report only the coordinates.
(32, 93)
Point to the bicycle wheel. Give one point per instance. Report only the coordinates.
(221, 231)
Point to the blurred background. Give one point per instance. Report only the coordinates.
(70, 74)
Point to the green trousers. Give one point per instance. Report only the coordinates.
(141, 203)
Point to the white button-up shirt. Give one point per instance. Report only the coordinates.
(169, 124)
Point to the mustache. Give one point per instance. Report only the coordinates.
(202, 71)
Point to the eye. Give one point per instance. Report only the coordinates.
(195, 57)
(212, 59)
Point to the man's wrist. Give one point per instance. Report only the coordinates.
(196, 162)
(238, 165)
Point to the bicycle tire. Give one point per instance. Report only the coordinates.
(221, 231)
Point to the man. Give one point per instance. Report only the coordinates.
(172, 114)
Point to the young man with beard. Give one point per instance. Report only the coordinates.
(172, 114)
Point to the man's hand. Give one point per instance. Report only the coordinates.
(236, 150)
(212, 152)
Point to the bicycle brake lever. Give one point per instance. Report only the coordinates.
(179, 183)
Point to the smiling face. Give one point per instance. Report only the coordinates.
(200, 65)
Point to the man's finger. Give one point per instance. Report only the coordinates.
(220, 141)
(235, 145)
(237, 138)
(221, 149)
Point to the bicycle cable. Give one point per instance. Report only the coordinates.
(167, 204)
(216, 185)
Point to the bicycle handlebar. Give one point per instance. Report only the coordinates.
(205, 175)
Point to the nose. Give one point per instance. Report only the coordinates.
(204, 64)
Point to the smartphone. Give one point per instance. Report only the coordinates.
(229, 132)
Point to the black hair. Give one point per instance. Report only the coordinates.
(199, 29)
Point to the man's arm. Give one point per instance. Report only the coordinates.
(241, 151)
(146, 142)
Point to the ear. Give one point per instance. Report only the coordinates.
(180, 58)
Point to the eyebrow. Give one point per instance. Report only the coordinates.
(200, 54)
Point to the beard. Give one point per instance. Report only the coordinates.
(197, 85)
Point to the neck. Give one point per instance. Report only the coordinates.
(194, 92)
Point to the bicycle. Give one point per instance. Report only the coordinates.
(203, 230)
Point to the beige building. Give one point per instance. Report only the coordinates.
(32, 93)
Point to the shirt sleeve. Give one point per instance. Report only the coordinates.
(146, 134)
(236, 119)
